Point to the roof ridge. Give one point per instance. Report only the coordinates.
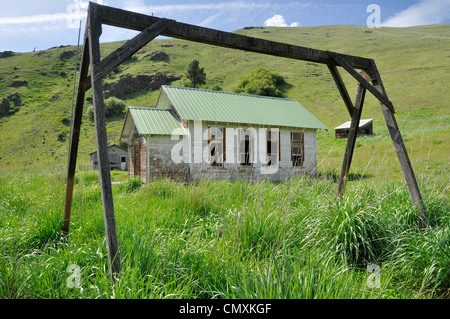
(230, 93)
(148, 108)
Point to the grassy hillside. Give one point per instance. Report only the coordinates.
(413, 62)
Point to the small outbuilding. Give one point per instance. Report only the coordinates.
(118, 158)
(365, 128)
(199, 134)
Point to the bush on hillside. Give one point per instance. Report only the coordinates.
(262, 81)
(113, 106)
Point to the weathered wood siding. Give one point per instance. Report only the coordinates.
(161, 163)
(187, 159)
(137, 150)
(233, 170)
(366, 130)
(114, 155)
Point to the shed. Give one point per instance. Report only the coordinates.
(198, 134)
(365, 128)
(118, 158)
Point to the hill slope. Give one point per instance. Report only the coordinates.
(36, 93)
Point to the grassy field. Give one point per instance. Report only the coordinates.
(216, 239)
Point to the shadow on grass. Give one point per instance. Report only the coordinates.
(334, 176)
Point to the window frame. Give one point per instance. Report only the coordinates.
(219, 144)
(269, 142)
(298, 158)
(243, 138)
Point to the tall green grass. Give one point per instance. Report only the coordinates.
(216, 239)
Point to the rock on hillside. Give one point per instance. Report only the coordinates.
(129, 84)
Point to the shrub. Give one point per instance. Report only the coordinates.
(113, 106)
(132, 184)
(261, 81)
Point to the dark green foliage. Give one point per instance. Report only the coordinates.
(113, 106)
(262, 81)
(195, 74)
(132, 184)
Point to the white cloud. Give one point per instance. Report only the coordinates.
(278, 21)
(41, 18)
(423, 13)
(74, 11)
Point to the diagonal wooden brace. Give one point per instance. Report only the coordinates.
(342, 89)
(400, 149)
(75, 135)
(353, 134)
(380, 96)
(114, 59)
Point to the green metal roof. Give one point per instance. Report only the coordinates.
(218, 106)
(152, 121)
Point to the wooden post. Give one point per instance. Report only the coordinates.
(351, 139)
(94, 29)
(75, 135)
(400, 149)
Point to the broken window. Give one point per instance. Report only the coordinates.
(216, 144)
(273, 147)
(297, 149)
(246, 148)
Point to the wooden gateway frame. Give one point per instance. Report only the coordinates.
(368, 79)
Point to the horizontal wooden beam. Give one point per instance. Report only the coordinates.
(136, 21)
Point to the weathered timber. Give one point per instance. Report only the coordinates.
(359, 102)
(380, 96)
(136, 21)
(113, 60)
(342, 89)
(99, 14)
(400, 149)
(112, 245)
(75, 135)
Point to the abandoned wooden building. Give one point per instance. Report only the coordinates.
(197, 134)
(118, 158)
(365, 128)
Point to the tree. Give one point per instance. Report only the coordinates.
(262, 81)
(195, 74)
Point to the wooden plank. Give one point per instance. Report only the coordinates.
(114, 59)
(75, 136)
(351, 139)
(400, 149)
(136, 21)
(380, 96)
(342, 89)
(94, 28)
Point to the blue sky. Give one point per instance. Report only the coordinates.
(40, 24)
